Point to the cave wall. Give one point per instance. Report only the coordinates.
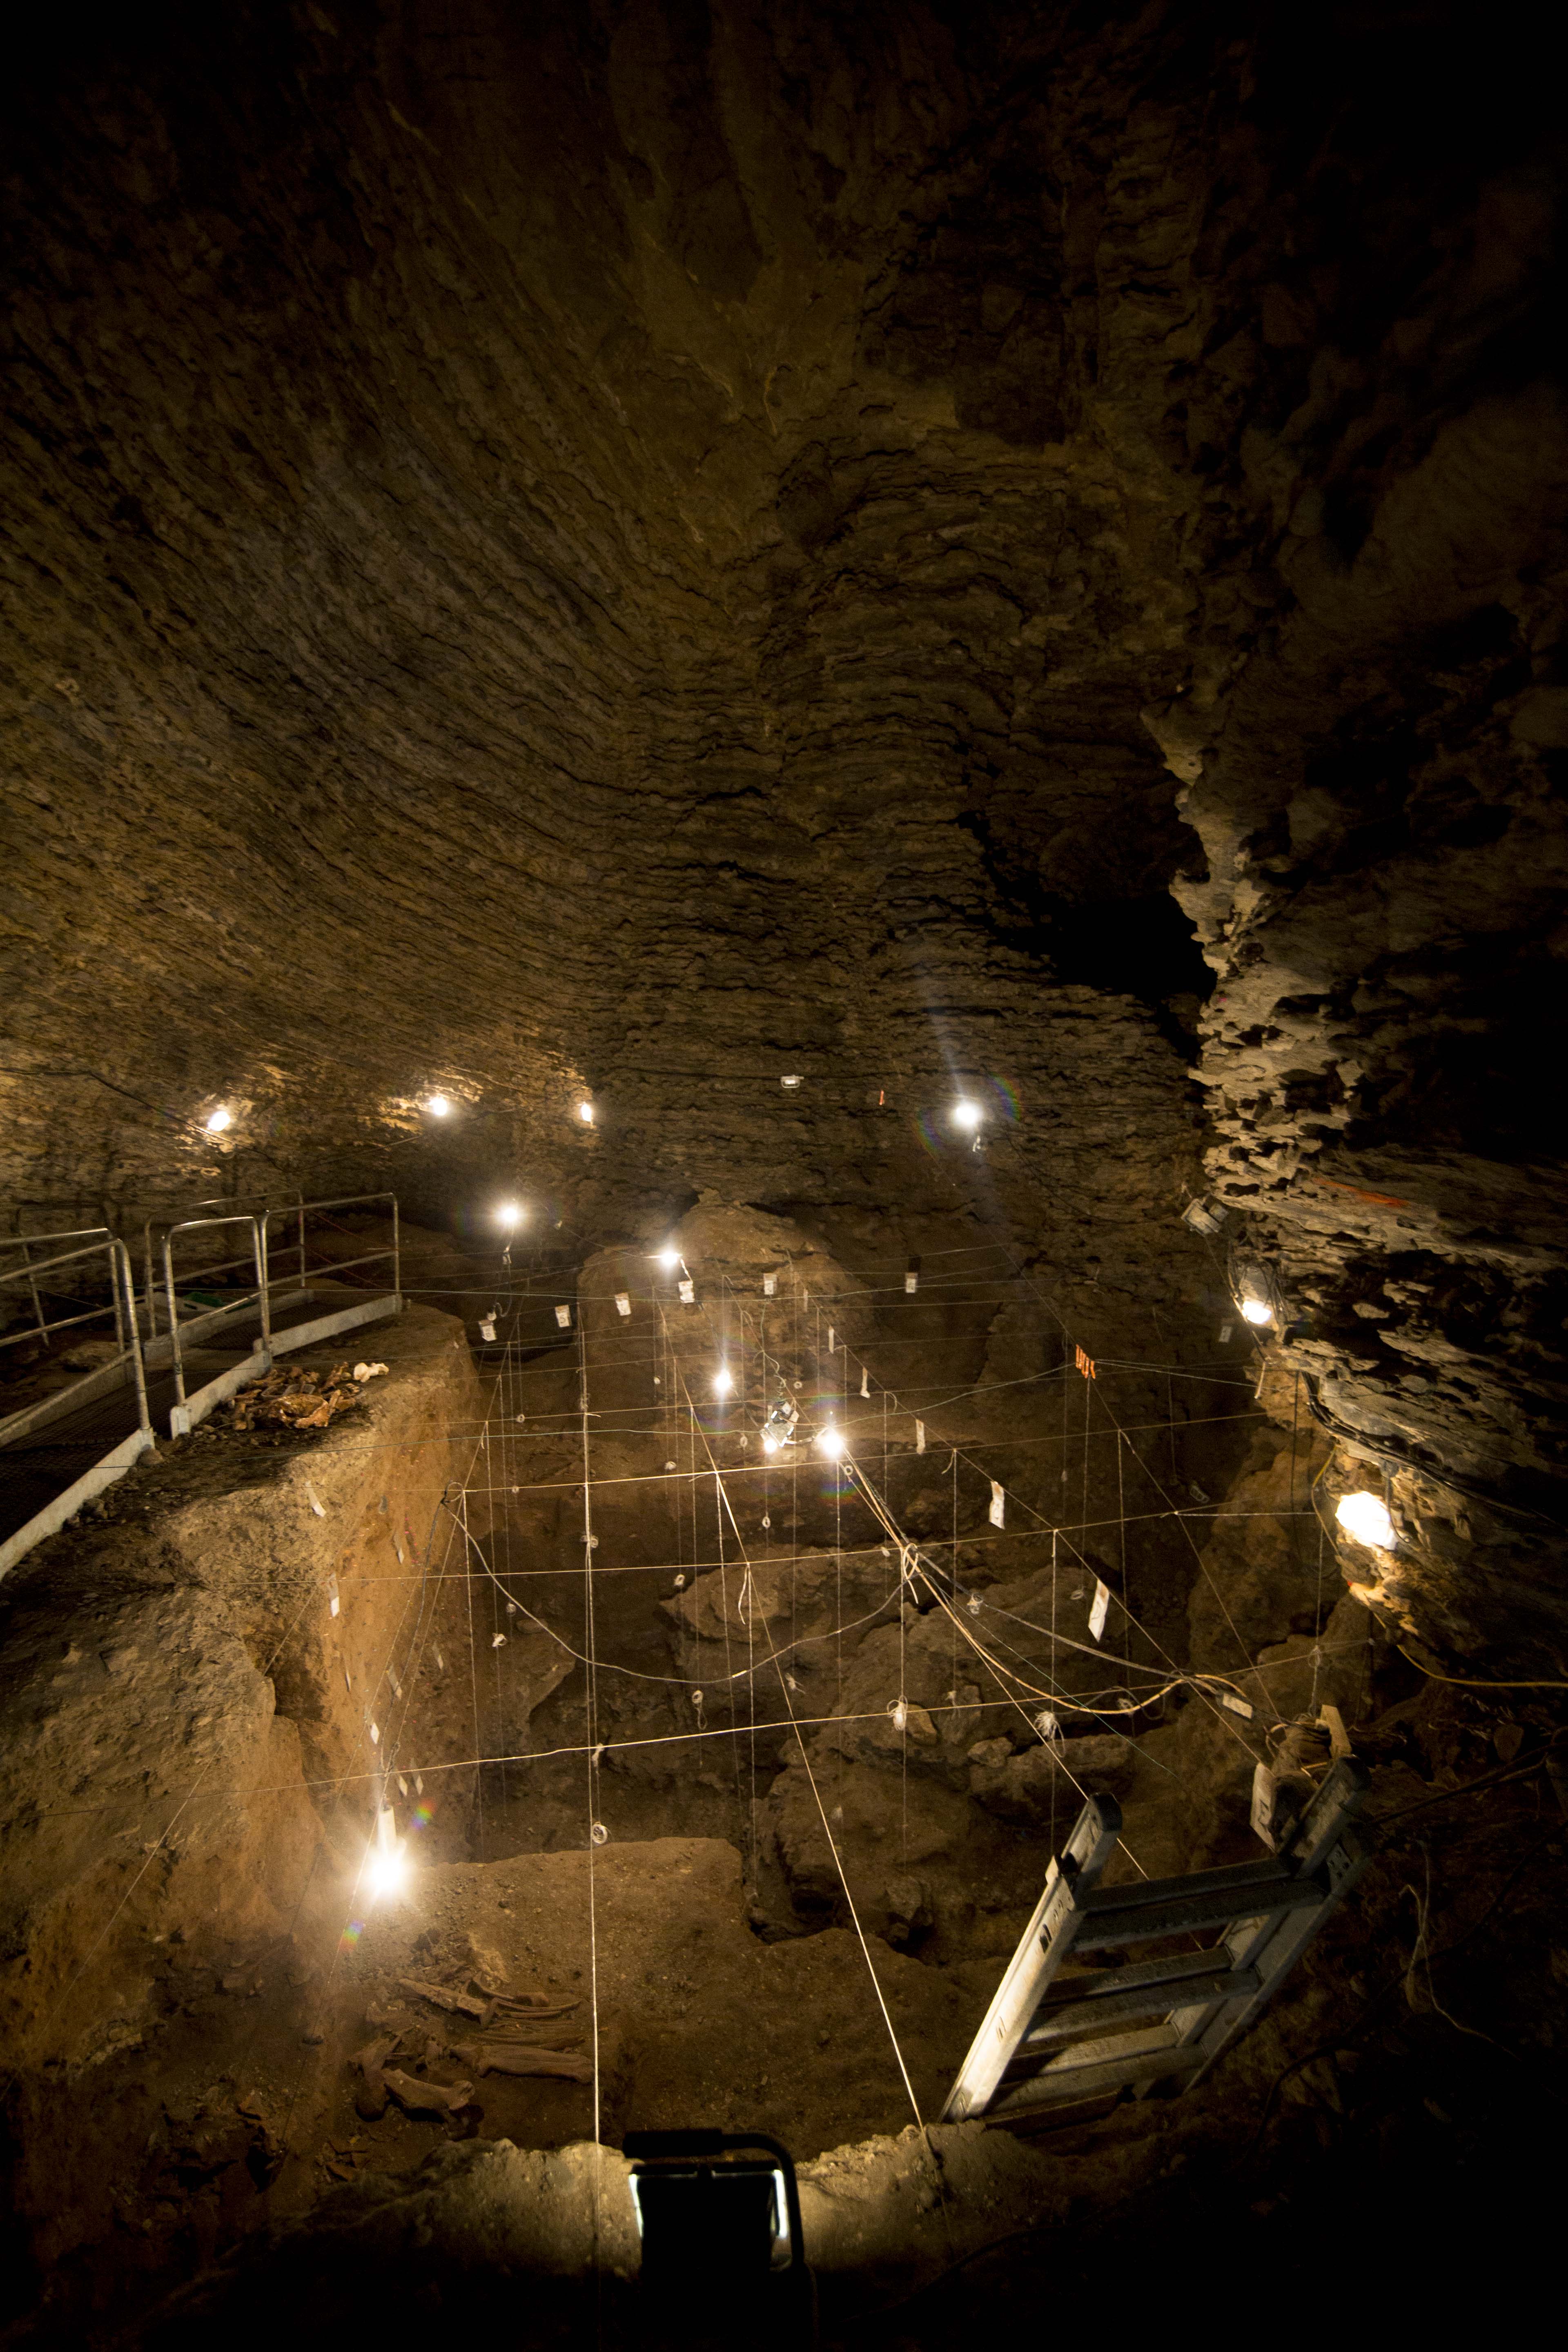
(631, 553)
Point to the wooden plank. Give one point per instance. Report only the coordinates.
(1044, 1946)
(1180, 1915)
(1082, 2020)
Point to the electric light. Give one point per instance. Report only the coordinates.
(830, 1443)
(669, 1258)
(723, 1381)
(437, 1106)
(968, 1116)
(508, 1215)
(386, 1868)
(586, 1113)
(1365, 1518)
(216, 1120)
(1256, 1310)
(770, 1445)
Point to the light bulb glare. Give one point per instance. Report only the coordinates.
(437, 1106)
(830, 1443)
(770, 1445)
(216, 1120)
(1256, 1311)
(967, 1114)
(670, 1259)
(586, 1113)
(508, 1215)
(1365, 1518)
(723, 1381)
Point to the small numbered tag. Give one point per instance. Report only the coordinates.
(998, 1511)
(623, 1303)
(563, 1317)
(1098, 1607)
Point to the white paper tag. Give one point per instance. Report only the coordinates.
(623, 1302)
(768, 1281)
(563, 1317)
(314, 1500)
(1238, 1705)
(865, 1381)
(375, 1735)
(1263, 1803)
(1047, 1726)
(688, 1294)
(831, 1337)
(912, 1284)
(331, 1596)
(1098, 1606)
(920, 1437)
(487, 1326)
(998, 1511)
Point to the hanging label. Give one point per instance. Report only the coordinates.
(623, 1303)
(1263, 1803)
(1238, 1705)
(832, 1336)
(314, 1500)
(920, 1437)
(486, 1327)
(375, 1735)
(998, 1511)
(688, 1294)
(912, 1284)
(441, 1663)
(331, 1596)
(1098, 1606)
(865, 1381)
(768, 1282)
(563, 1317)
(1085, 1363)
(1047, 1726)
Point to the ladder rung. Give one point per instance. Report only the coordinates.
(1083, 2020)
(1180, 1913)
(1058, 2082)
(1089, 1983)
(1268, 1870)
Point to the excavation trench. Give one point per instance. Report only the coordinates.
(722, 1780)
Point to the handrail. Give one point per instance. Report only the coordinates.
(302, 1209)
(28, 1271)
(123, 1297)
(191, 1224)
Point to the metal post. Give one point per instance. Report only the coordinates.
(120, 1271)
(173, 1319)
(259, 1242)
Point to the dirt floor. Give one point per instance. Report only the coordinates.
(222, 2042)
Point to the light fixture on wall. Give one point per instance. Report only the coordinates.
(508, 1216)
(967, 1114)
(217, 1121)
(439, 1106)
(1364, 1518)
(723, 1381)
(830, 1442)
(667, 1258)
(586, 1113)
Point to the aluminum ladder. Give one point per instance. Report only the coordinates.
(1051, 2040)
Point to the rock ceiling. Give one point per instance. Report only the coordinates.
(631, 549)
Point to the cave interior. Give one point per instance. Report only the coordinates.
(784, 948)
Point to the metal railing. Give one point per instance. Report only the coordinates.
(300, 1210)
(100, 1379)
(259, 1295)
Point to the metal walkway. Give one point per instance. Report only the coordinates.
(173, 1358)
(1052, 2039)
